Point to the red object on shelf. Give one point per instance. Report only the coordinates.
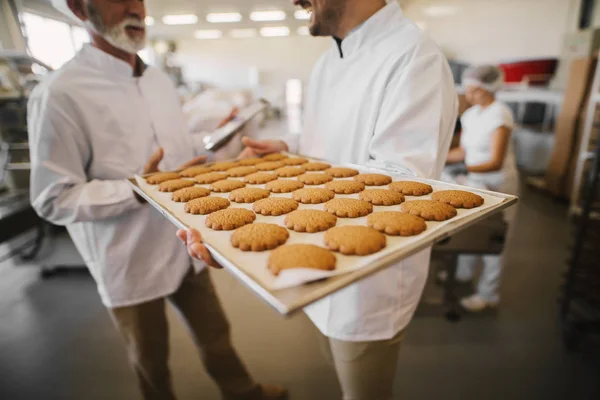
(538, 71)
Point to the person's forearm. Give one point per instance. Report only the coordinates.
(491, 166)
(456, 155)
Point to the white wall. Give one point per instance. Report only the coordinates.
(498, 30)
(230, 62)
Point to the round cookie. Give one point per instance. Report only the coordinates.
(373, 179)
(250, 161)
(161, 177)
(226, 185)
(313, 195)
(259, 237)
(396, 223)
(260, 178)
(175, 184)
(341, 172)
(345, 187)
(294, 161)
(230, 219)
(381, 197)
(411, 188)
(353, 240)
(210, 177)
(274, 157)
(206, 205)
(239, 172)
(193, 171)
(458, 198)
(289, 172)
(223, 166)
(429, 210)
(269, 165)
(284, 186)
(301, 256)
(275, 206)
(248, 195)
(315, 179)
(348, 208)
(186, 194)
(316, 166)
(310, 221)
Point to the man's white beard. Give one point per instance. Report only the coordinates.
(118, 37)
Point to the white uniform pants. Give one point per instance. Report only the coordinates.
(489, 281)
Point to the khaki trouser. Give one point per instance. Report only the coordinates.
(145, 330)
(366, 370)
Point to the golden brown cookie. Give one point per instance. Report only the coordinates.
(260, 178)
(175, 184)
(274, 157)
(348, 208)
(373, 179)
(294, 161)
(313, 195)
(226, 185)
(230, 219)
(429, 210)
(284, 186)
(301, 256)
(458, 198)
(161, 177)
(269, 165)
(316, 166)
(411, 188)
(341, 172)
(381, 197)
(239, 172)
(289, 172)
(193, 171)
(396, 223)
(190, 193)
(345, 187)
(310, 221)
(259, 237)
(223, 166)
(315, 179)
(250, 161)
(210, 177)
(206, 205)
(248, 195)
(275, 206)
(353, 240)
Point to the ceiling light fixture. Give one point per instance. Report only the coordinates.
(208, 34)
(217, 18)
(440, 11)
(149, 21)
(243, 33)
(274, 31)
(181, 19)
(302, 15)
(263, 16)
(303, 31)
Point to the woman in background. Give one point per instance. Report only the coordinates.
(486, 150)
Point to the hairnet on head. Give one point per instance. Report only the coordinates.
(488, 77)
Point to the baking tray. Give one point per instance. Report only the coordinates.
(289, 300)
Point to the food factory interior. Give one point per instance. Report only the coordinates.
(299, 199)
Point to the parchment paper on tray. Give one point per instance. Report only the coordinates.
(255, 264)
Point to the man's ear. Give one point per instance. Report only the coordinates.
(78, 8)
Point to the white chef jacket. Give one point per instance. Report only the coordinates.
(92, 124)
(390, 101)
(479, 125)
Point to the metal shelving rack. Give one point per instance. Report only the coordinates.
(580, 309)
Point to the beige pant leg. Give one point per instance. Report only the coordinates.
(198, 304)
(145, 330)
(366, 370)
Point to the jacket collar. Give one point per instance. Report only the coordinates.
(369, 31)
(107, 63)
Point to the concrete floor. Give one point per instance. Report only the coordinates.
(57, 342)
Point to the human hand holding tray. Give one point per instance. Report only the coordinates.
(290, 290)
